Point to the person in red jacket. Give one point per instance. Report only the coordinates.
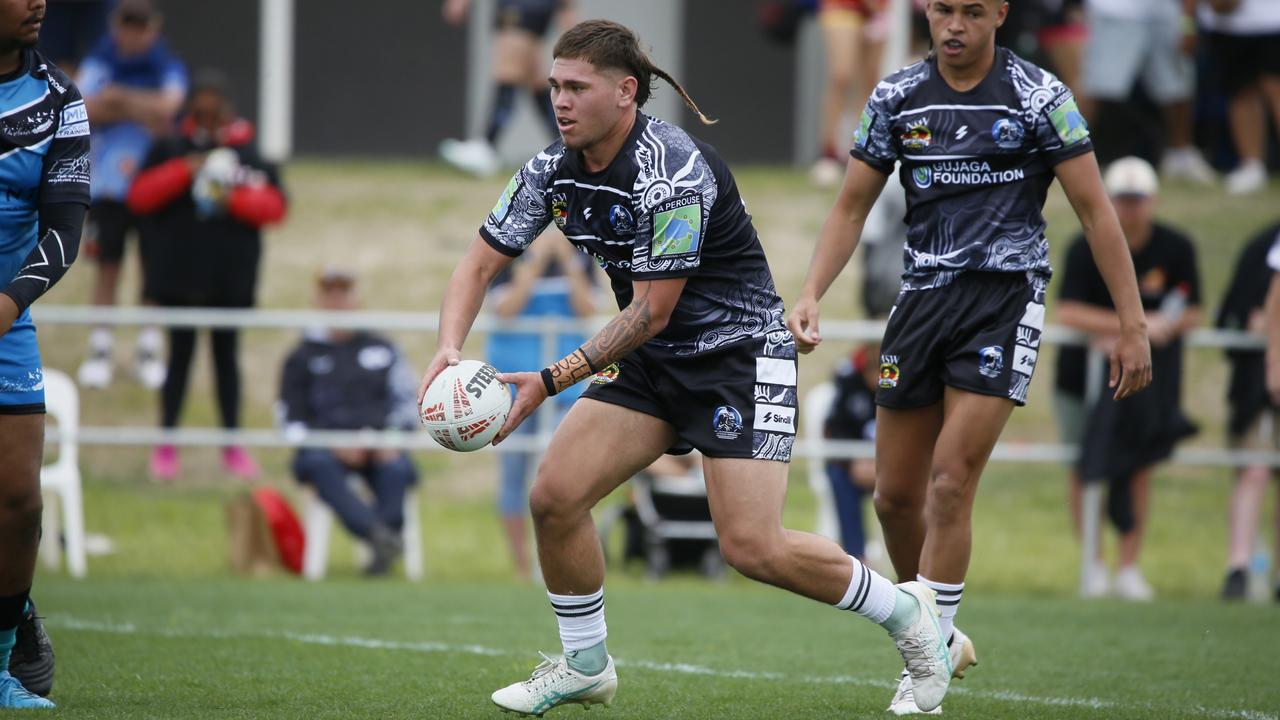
(207, 195)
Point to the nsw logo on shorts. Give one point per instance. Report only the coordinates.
(726, 422)
(888, 371)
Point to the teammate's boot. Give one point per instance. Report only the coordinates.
(924, 650)
(31, 661)
(14, 696)
(554, 683)
(962, 653)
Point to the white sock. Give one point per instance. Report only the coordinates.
(948, 603)
(150, 340)
(581, 619)
(870, 594)
(101, 340)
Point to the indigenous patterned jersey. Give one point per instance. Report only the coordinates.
(666, 207)
(976, 164)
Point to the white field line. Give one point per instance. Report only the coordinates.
(352, 641)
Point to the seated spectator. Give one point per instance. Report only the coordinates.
(208, 194)
(853, 417)
(1244, 42)
(341, 379)
(551, 279)
(1122, 441)
(1253, 423)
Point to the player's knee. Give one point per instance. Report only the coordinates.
(951, 487)
(21, 506)
(552, 500)
(892, 504)
(751, 554)
(839, 76)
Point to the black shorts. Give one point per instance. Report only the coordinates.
(1241, 59)
(110, 223)
(981, 333)
(738, 401)
(533, 17)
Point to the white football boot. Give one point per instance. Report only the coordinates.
(554, 683)
(96, 371)
(962, 657)
(962, 653)
(924, 650)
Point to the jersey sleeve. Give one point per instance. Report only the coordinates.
(173, 78)
(521, 213)
(873, 141)
(1060, 129)
(674, 215)
(64, 176)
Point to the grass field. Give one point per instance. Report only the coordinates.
(279, 649)
(160, 629)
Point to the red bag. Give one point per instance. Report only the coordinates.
(285, 528)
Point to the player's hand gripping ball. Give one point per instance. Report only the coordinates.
(465, 406)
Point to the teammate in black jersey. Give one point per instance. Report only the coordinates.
(698, 357)
(980, 135)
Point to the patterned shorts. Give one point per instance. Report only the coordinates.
(21, 375)
(737, 401)
(979, 333)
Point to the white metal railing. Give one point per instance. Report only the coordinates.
(548, 328)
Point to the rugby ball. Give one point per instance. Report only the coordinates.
(465, 406)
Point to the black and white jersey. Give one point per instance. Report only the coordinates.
(976, 165)
(666, 207)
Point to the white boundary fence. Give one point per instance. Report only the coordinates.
(426, 322)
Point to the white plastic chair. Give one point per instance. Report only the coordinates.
(317, 521)
(816, 407)
(61, 479)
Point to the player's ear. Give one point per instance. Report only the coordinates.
(1002, 12)
(627, 90)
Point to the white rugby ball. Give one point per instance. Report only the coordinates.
(465, 406)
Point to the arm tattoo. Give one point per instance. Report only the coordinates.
(627, 331)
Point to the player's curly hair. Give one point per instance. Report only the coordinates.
(607, 44)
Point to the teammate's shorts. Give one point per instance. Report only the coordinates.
(110, 222)
(1241, 59)
(981, 333)
(1120, 50)
(21, 375)
(738, 401)
(533, 17)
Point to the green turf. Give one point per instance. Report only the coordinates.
(280, 648)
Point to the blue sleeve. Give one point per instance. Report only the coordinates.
(174, 76)
(94, 75)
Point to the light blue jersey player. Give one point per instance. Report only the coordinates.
(44, 193)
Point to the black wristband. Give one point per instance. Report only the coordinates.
(548, 382)
(590, 364)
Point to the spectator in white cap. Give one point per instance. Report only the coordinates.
(1121, 441)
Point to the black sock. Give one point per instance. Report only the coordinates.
(11, 609)
(504, 104)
